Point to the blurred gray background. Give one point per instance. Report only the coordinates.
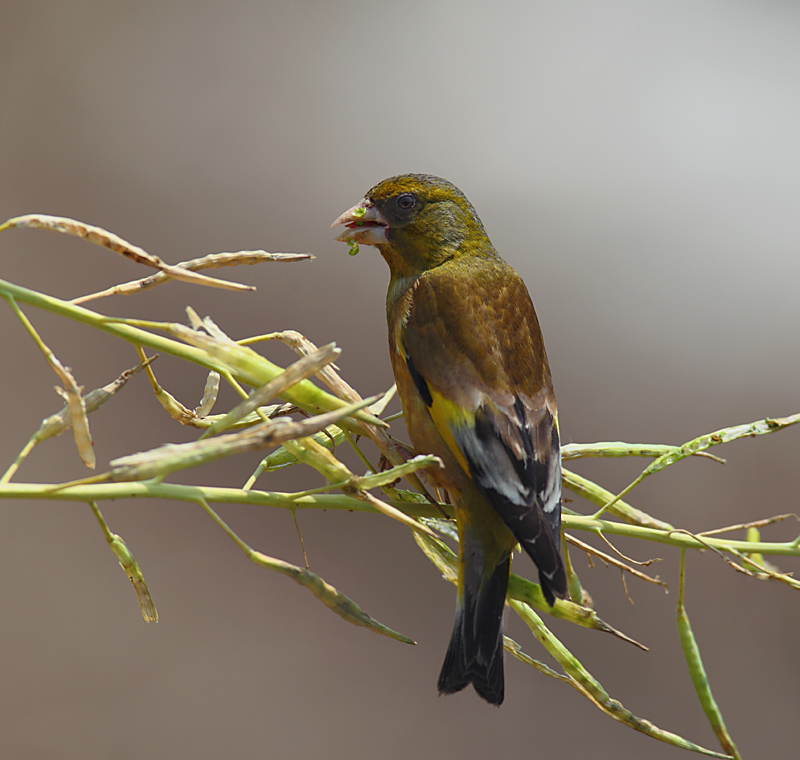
(638, 163)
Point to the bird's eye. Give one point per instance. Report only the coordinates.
(406, 201)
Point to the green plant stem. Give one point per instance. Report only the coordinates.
(305, 394)
(150, 489)
(130, 566)
(21, 457)
(331, 597)
(697, 672)
(585, 682)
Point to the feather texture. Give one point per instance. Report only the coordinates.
(474, 382)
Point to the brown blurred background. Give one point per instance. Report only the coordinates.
(639, 164)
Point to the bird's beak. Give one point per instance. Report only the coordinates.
(364, 224)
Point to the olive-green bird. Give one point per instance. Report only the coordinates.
(474, 383)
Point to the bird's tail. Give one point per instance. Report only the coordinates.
(475, 653)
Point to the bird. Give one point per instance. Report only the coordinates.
(475, 387)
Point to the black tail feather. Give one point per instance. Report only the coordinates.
(475, 653)
(548, 555)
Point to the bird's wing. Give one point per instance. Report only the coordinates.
(475, 353)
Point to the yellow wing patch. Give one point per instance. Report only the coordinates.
(445, 415)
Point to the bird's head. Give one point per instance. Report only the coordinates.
(417, 222)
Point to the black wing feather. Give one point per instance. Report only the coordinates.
(521, 481)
